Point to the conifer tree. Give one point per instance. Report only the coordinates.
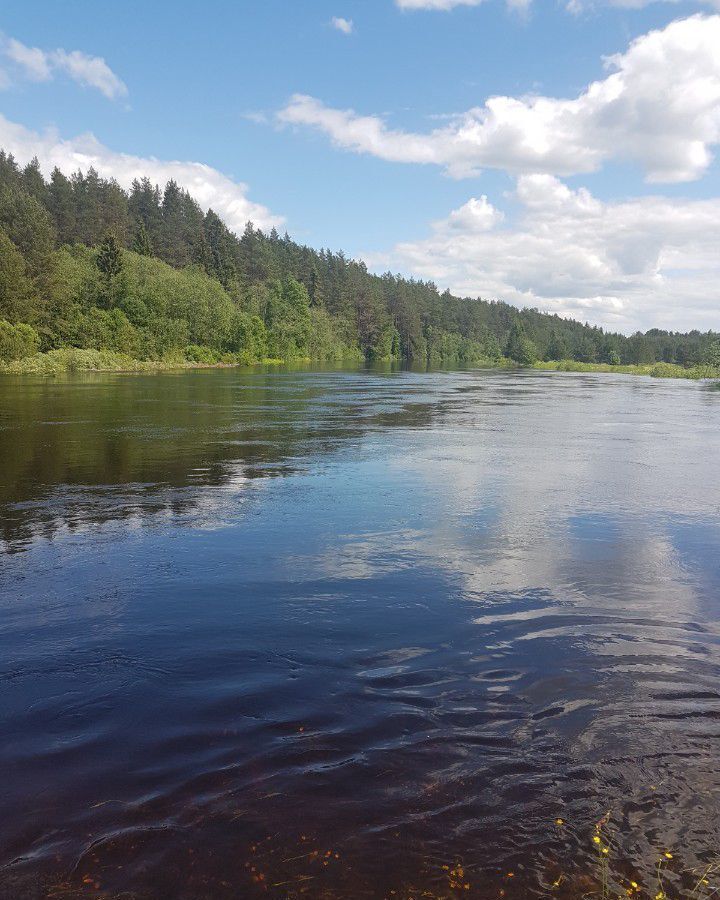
(110, 263)
(33, 182)
(61, 204)
(519, 347)
(141, 242)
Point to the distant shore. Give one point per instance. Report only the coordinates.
(655, 370)
(72, 360)
(69, 361)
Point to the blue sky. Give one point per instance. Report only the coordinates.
(498, 203)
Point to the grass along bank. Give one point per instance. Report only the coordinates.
(655, 370)
(73, 359)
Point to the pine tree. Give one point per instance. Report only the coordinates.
(114, 213)
(144, 206)
(585, 350)
(28, 225)
(9, 171)
(519, 347)
(88, 203)
(222, 247)
(110, 263)
(61, 203)
(33, 182)
(557, 348)
(141, 242)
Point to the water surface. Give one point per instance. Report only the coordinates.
(338, 634)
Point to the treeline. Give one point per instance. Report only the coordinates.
(147, 273)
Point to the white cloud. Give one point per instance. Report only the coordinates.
(579, 6)
(659, 107)
(475, 215)
(520, 6)
(573, 6)
(648, 262)
(257, 116)
(33, 61)
(436, 4)
(344, 25)
(88, 71)
(208, 186)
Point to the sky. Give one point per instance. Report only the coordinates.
(559, 154)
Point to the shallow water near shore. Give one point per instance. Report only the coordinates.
(344, 633)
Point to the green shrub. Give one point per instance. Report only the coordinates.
(17, 341)
(668, 370)
(199, 354)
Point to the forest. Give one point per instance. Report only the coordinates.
(147, 274)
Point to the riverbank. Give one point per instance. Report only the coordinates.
(655, 370)
(71, 360)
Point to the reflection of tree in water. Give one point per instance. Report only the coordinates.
(86, 451)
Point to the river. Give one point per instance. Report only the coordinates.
(340, 634)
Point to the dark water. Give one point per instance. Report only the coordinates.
(341, 634)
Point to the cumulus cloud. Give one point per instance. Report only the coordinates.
(88, 71)
(647, 262)
(208, 186)
(344, 25)
(659, 107)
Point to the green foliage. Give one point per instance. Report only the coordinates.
(326, 343)
(109, 261)
(149, 275)
(573, 365)
(288, 320)
(656, 370)
(57, 362)
(386, 344)
(248, 336)
(178, 307)
(712, 354)
(557, 348)
(519, 347)
(28, 225)
(585, 350)
(136, 311)
(17, 341)
(33, 182)
(141, 243)
(197, 354)
(18, 299)
(666, 370)
(669, 370)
